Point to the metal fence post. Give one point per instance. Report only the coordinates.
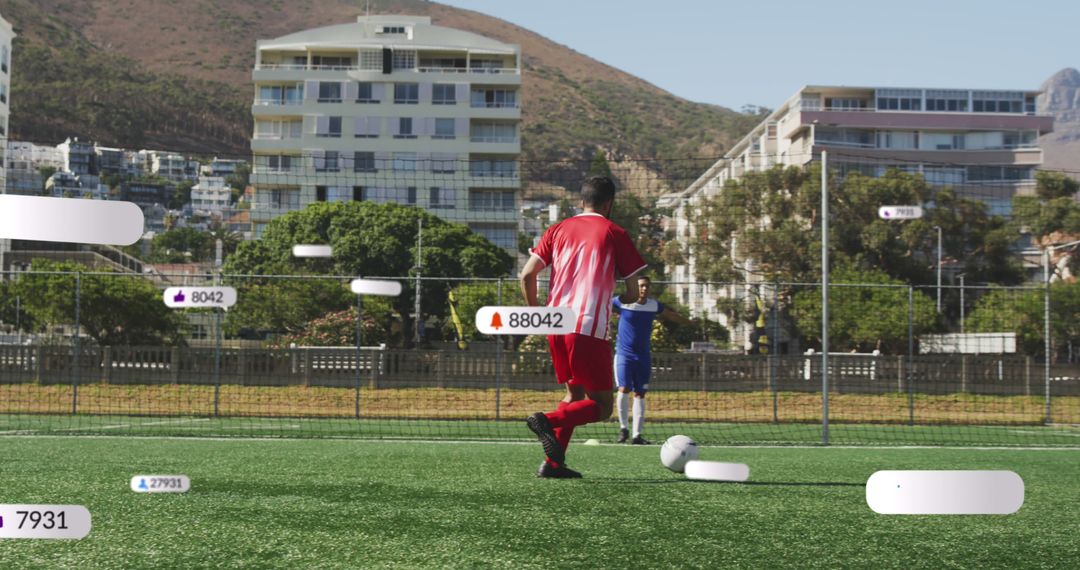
(77, 346)
(498, 357)
(774, 354)
(824, 298)
(911, 353)
(359, 343)
(1049, 345)
(217, 356)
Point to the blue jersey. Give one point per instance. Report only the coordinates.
(635, 328)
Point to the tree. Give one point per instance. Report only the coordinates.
(337, 329)
(872, 317)
(367, 239)
(180, 245)
(599, 165)
(181, 195)
(773, 218)
(240, 179)
(1022, 312)
(471, 296)
(1051, 185)
(114, 309)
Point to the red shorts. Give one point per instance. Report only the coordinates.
(582, 360)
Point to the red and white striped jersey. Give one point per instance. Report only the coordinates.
(587, 253)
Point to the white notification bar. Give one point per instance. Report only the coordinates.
(312, 251)
(197, 297)
(160, 483)
(900, 212)
(70, 220)
(945, 492)
(375, 287)
(526, 320)
(44, 521)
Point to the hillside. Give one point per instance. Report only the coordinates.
(176, 74)
(1061, 98)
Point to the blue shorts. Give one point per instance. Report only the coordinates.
(633, 374)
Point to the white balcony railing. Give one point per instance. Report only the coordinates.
(493, 174)
(491, 105)
(493, 139)
(268, 102)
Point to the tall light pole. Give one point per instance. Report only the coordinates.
(938, 228)
(419, 322)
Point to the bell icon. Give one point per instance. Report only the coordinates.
(496, 321)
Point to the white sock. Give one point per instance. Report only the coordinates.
(622, 402)
(639, 415)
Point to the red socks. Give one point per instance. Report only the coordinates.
(564, 433)
(574, 414)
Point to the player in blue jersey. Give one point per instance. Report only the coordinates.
(633, 353)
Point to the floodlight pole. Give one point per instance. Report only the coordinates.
(824, 298)
(938, 228)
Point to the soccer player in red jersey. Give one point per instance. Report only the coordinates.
(586, 253)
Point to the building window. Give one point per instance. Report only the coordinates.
(4, 60)
(494, 98)
(285, 198)
(281, 94)
(365, 93)
(899, 99)
(331, 62)
(844, 103)
(443, 94)
(3, 92)
(364, 162)
(404, 59)
(392, 30)
(443, 163)
(942, 100)
(444, 129)
(405, 161)
(502, 236)
(328, 162)
(494, 132)
(441, 198)
(405, 128)
(329, 92)
(371, 60)
(491, 200)
(900, 140)
(328, 127)
(493, 168)
(406, 93)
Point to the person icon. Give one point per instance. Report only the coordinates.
(142, 484)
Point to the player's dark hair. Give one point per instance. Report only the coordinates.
(597, 190)
(644, 278)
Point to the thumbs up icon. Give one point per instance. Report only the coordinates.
(178, 297)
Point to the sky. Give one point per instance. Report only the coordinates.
(760, 52)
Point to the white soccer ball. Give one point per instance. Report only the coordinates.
(676, 451)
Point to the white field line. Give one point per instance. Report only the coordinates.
(24, 434)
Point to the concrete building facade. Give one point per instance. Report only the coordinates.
(389, 109)
(982, 143)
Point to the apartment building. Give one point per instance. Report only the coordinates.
(7, 34)
(982, 143)
(210, 197)
(389, 109)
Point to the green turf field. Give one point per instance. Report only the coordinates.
(359, 504)
(512, 428)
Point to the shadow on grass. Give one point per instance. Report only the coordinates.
(629, 481)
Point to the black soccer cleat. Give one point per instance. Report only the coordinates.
(540, 425)
(624, 434)
(638, 440)
(546, 471)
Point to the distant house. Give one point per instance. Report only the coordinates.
(79, 157)
(211, 196)
(145, 194)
